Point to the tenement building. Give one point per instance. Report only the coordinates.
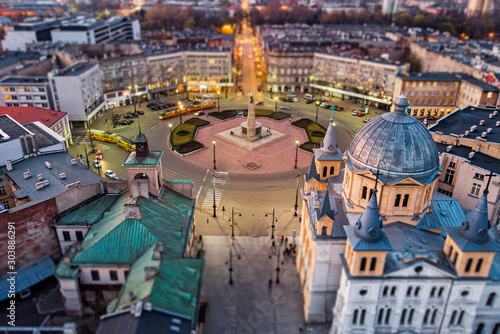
(381, 251)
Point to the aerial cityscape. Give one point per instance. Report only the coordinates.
(253, 166)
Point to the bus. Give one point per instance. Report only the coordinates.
(112, 137)
(194, 107)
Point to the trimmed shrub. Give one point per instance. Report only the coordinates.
(315, 132)
(302, 123)
(263, 112)
(223, 114)
(197, 121)
(182, 134)
(279, 115)
(189, 147)
(308, 146)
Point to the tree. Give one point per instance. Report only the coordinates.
(190, 23)
(449, 27)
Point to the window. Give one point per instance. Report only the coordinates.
(476, 188)
(332, 170)
(446, 192)
(380, 316)
(125, 273)
(426, 316)
(364, 193)
(79, 235)
(324, 230)
(362, 267)
(417, 291)
(5, 205)
(479, 176)
(405, 200)
(468, 265)
(408, 292)
(398, 200)
(410, 317)
(385, 291)
(362, 318)
(433, 318)
(325, 169)
(113, 275)
(393, 291)
(448, 178)
(452, 164)
(491, 299)
(95, 275)
(478, 265)
(355, 317)
(460, 318)
(452, 319)
(373, 263)
(402, 321)
(2, 191)
(66, 236)
(480, 329)
(433, 292)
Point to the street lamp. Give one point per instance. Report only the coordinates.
(180, 111)
(276, 105)
(297, 193)
(213, 143)
(232, 222)
(296, 152)
(272, 224)
(278, 266)
(317, 106)
(214, 206)
(231, 264)
(218, 101)
(176, 91)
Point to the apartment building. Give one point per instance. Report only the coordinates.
(369, 80)
(26, 92)
(439, 93)
(78, 91)
(166, 72)
(208, 70)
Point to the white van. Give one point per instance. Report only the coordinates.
(308, 97)
(208, 97)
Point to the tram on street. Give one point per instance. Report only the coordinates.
(202, 105)
(112, 137)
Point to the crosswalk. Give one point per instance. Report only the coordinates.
(220, 181)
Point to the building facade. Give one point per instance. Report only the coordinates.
(26, 92)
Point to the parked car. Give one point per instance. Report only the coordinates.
(290, 99)
(133, 114)
(124, 122)
(140, 112)
(259, 88)
(339, 108)
(322, 105)
(199, 113)
(355, 113)
(309, 101)
(116, 117)
(151, 104)
(366, 120)
(98, 155)
(260, 103)
(96, 163)
(361, 114)
(160, 102)
(109, 173)
(285, 107)
(294, 99)
(128, 116)
(284, 99)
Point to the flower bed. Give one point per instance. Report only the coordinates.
(182, 138)
(315, 133)
(189, 147)
(222, 115)
(197, 121)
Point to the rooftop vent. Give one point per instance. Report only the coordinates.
(62, 175)
(39, 185)
(489, 130)
(27, 174)
(45, 182)
(495, 112)
(48, 165)
(481, 122)
(491, 116)
(8, 165)
(471, 154)
(473, 128)
(484, 134)
(73, 161)
(467, 132)
(448, 148)
(498, 123)
(40, 177)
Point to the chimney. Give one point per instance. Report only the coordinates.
(150, 272)
(133, 211)
(481, 122)
(471, 154)
(157, 251)
(448, 148)
(8, 165)
(489, 130)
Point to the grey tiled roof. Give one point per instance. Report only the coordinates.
(470, 246)
(312, 173)
(446, 211)
(359, 244)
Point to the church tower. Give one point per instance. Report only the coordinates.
(144, 170)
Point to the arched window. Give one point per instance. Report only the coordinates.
(393, 291)
(408, 292)
(433, 318)
(380, 316)
(468, 265)
(441, 291)
(362, 318)
(373, 263)
(403, 317)
(362, 267)
(433, 291)
(410, 317)
(364, 193)
(480, 328)
(371, 193)
(387, 316)
(491, 299)
(385, 291)
(496, 329)
(426, 316)
(478, 265)
(324, 230)
(417, 291)
(460, 318)
(355, 317)
(325, 170)
(452, 319)
(451, 250)
(398, 200)
(406, 198)
(332, 170)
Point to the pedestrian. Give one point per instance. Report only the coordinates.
(300, 328)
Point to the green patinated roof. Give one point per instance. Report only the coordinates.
(123, 245)
(65, 272)
(136, 283)
(87, 214)
(152, 159)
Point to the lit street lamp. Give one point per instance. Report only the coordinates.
(232, 222)
(296, 152)
(276, 105)
(272, 224)
(297, 194)
(180, 112)
(213, 143)
(317, 106)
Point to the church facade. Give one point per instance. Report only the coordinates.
(381, 251)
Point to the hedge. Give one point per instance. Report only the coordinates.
(315, 133)
(197, 121)
(182, 138)
(189, 147)
(223, 114)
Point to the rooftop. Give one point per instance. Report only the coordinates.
(43, 136)
(11, 128)
(32, 114)
(12, 57)
(24, 80)
(461, 120)
(76, 69)
(152, 159)
(479, 159)
(431, 76)
(60, 163)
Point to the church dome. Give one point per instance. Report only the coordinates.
(395, 143)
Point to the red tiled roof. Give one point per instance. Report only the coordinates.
(25, 115)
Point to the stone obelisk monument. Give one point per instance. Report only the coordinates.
(251, 128)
